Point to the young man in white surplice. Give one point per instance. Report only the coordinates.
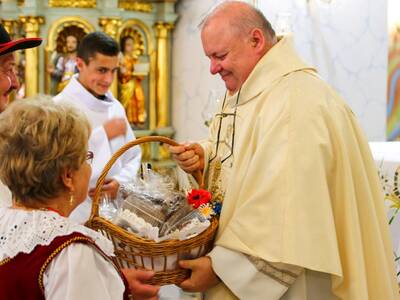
(97, 62)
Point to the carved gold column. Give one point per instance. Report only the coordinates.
(163, 72)
(31, 26)
(110, 26)
(9, 25)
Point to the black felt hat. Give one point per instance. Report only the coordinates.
(7, 45)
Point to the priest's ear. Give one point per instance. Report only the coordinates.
(80, 63)
(258, 40)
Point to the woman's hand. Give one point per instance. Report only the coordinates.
(140, 290)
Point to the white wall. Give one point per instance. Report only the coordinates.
(191, 80)
(345, 40)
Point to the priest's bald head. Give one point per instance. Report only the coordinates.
(235, 36)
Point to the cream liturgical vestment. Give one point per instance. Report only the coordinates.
(98, 112)
(302, 200)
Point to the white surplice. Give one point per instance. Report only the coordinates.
(78, 272)
(98, 112)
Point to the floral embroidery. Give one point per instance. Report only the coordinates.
(390, 185)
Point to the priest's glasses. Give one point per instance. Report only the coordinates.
(230, 132)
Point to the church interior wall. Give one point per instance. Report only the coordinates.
(346, 40)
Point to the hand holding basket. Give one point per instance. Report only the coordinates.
(133, 251)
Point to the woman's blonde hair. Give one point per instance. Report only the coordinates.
(39, 140)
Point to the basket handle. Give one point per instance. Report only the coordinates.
(95, 203)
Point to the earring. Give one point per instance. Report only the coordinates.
(71, 199)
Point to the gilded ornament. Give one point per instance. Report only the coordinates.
(163, 29)
(163, 65)
(9, 25)
(135, 6)
(214, 184)
(31, 25)
(73, 3)
(110, 25)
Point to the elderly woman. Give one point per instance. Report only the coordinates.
(43, 255)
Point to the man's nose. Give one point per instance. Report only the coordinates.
(14, 81)
(108, 78)
(215, 67)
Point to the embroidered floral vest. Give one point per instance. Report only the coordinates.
(22, 276)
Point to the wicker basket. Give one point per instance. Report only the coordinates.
(135, 252)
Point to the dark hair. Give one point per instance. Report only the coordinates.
(97, 42)
(123, 41)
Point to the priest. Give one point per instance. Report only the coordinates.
(302, 214)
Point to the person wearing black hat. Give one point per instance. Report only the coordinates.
(9, 80)
(8, 76)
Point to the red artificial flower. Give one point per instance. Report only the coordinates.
(198, 197)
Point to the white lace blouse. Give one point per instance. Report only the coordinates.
(5, 196)
(78, 271)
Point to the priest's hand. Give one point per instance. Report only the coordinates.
(140, 290)
(190, 157)
(202, 277)
(110, 187)
(115, 127)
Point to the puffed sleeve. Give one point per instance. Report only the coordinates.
(80, 272)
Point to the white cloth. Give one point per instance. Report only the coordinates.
(5, 196)
(386, 152)
(65, 277)
(24, 230)
(251, 284)
(98, 112)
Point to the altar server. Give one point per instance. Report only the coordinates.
(97, 62)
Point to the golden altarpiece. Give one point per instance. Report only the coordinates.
(147, 24)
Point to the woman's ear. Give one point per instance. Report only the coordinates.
(67, 178)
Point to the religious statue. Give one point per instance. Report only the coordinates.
(131, 93)
(63, 66)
